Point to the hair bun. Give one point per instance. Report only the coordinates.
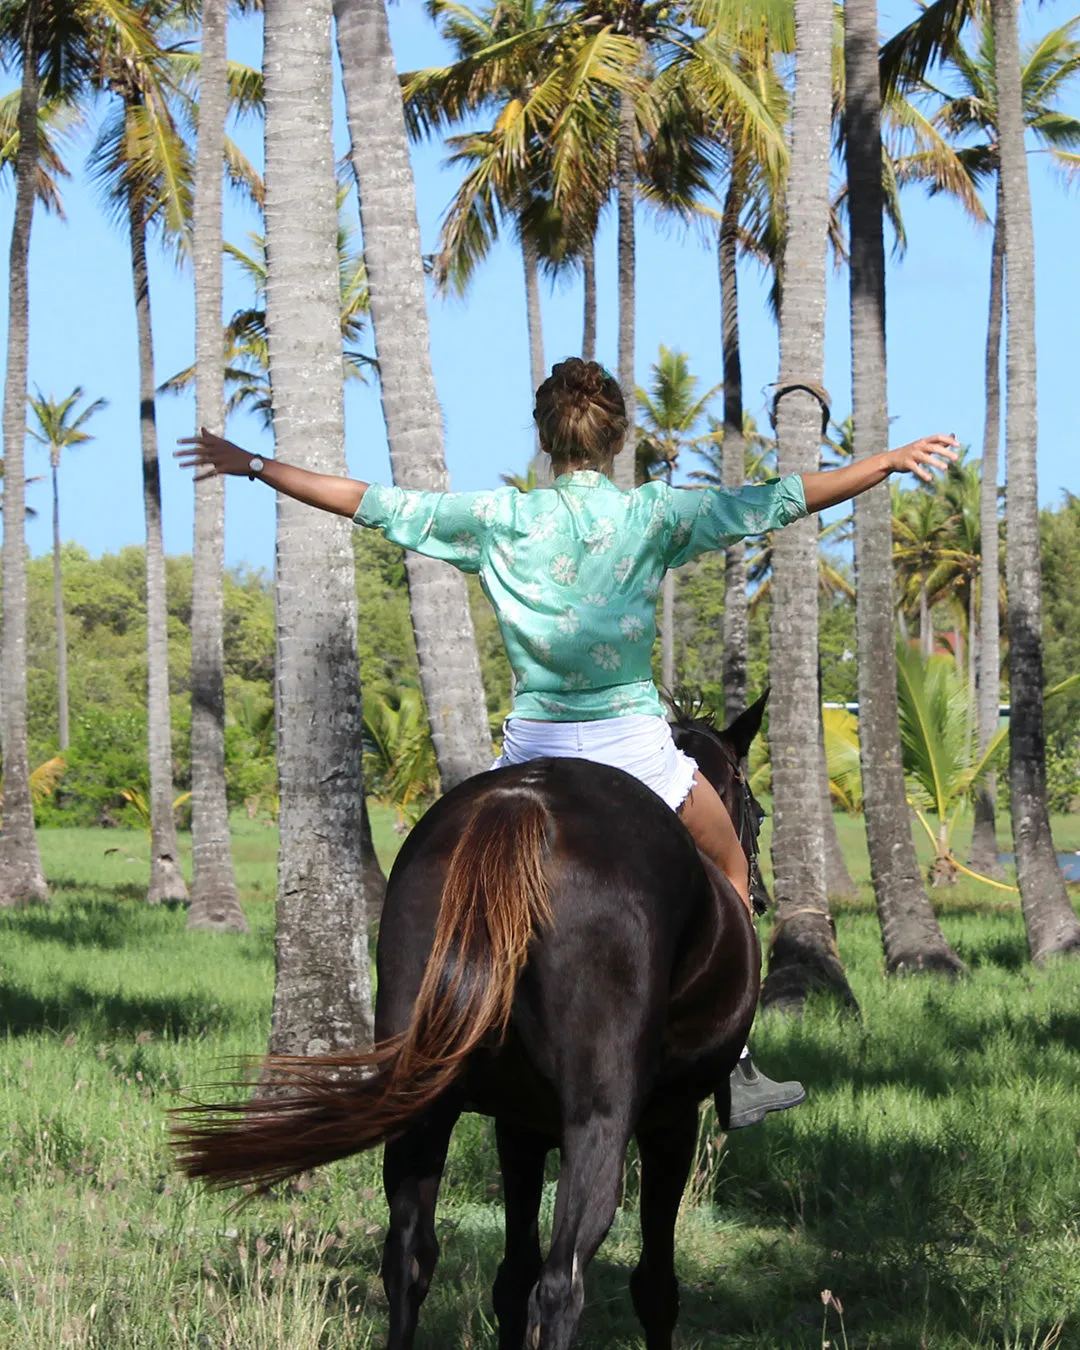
(580, 411)
(579, 381)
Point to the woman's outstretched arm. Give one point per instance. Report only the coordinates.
(839, 485)
(214, 457)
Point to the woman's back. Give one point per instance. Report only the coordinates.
(573, 572)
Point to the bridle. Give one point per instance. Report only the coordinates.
(747, 816)
(747, 826)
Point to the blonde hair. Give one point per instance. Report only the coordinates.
(580, 413)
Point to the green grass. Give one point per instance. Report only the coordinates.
(932, 1181)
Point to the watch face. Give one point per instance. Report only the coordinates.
(255, 464)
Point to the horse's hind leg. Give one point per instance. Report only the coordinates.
(667, 1153)
(412, 1171)
(521, 1157)
(589, 1184)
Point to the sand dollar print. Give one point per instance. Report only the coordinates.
(563, 569)
(485, 508)
(466, 545)
(600, 537)
(605, 655)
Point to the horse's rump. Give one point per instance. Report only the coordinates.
(494, 898)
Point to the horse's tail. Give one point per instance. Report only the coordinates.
(494, 898)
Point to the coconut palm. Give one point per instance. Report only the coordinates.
(508, 167)
(968, 114)
(911, 934)
(215, 903)
(438, 597)
(322, 996)
(921, 525)
(142, 163)
(670, 411)
(1052, 925)
(803, 954)
(22, 880)
(60, 426)
(246, 364)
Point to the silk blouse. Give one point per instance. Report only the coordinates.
(573, 572)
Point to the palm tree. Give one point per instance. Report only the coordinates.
(912, 937)
(1052, 925)
(507, 164)
(670, 412)
(215, 903)
(969, 113)
(803, 954)
(438, 597)
(59, 427)
(921, 523)
(22, 880)
(247, 370)
(141, 161)
(322, 998)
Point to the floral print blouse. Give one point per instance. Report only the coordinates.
(573, 572)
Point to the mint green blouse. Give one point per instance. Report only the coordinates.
(573, 572)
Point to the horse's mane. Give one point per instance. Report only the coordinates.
(690, 711)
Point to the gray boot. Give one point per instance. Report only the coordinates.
(753, 1095)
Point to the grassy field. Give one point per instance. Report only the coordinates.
(932, 1182)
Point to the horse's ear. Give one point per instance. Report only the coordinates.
(746, 726)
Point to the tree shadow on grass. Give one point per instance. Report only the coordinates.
(100, 920)
(93, 1013)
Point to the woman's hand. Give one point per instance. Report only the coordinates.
(839, 485)
(215, 454)
(932, 452)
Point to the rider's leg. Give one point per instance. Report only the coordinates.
(707, 819)
(752, 1094)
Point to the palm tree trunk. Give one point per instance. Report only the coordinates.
(588, 272)
(803, 954)
(530, 259)
(625, 191)
(1052, 925)
(214, 900)
(322, 993)
(667, 632)
(22, 881)
(439, 601)
(736, 621)
(63, 716)
(983, 854)
(838, 882)
(926, 625)
(374, 880)
(911, 935)
(166, 879)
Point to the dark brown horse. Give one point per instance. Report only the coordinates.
(553, 953)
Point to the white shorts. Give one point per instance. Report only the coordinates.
(639, 744)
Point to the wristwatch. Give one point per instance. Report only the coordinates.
(255, 465)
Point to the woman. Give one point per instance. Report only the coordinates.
(573, 572)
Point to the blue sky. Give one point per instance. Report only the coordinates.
(83, 332)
